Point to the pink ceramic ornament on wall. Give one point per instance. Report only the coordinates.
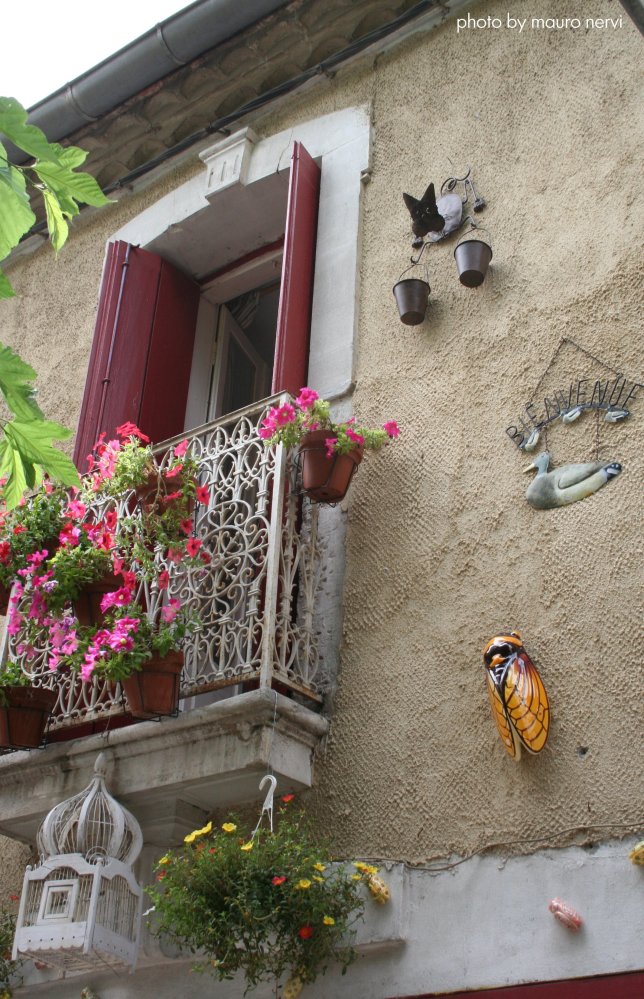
(565, 914)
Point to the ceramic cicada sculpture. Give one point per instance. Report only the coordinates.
(517, 695)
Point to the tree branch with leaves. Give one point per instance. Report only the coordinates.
(53, 173)
(26, 439)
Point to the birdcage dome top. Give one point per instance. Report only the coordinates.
(93, 824)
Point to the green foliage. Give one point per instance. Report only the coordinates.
(54, 174)
(26, 449)
(12, 675)
(30, 527)
(8, 967)
(267, 906)
(74, 568)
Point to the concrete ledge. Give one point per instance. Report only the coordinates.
(172, 772)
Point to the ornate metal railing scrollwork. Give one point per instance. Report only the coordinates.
(254, 603)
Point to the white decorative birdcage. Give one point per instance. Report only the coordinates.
(81, 906)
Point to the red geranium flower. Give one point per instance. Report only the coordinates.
(203, 496)
(287, 797)
(193, 546)
(131, 430)
(305, 932)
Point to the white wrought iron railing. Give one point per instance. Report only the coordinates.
(255, 602)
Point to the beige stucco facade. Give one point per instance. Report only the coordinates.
(443, 550)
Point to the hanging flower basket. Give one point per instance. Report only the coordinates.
(154, 689)
(325, 479)
(329, 452)
(24, 716)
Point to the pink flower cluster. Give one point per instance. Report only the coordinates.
(106, 643)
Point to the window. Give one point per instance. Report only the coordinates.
(142, 354)
(195, 234)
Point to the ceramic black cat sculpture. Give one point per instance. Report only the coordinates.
(425, 216)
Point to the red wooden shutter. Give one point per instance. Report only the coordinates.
(139, 367)
(296, 294)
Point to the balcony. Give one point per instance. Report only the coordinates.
(253, 678)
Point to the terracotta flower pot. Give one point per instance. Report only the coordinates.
(24, 718)
(324, 479)
(154, 689)
(87, 604)
(5, 593)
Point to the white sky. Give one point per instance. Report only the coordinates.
(45, 44)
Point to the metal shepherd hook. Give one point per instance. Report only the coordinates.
(268, 802)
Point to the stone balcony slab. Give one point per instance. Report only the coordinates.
(172, 773)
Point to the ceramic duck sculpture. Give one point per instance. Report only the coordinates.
(567, 484)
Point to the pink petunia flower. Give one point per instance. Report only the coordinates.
(164, 579)
(117, 598)
(306, 398)
(353, 436)
(69, 534)
(186, 526)
(284, 414)
(181, 449)
(170, 612)
(391, 428)
(75, 509)
(173, 472)
(329, 444)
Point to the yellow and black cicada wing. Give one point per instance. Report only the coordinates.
(500, 715)
(526, 702)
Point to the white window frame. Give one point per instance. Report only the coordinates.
(341, 144)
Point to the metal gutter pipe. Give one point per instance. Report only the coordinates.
(171, 44)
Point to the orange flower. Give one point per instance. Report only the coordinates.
(278, 881)
(287, 797)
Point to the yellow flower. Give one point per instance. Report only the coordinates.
(163, 860)
(191, 837)
(329, 921)
(636, 856)
(319, 867)
(365, 868)
(303, 883)
(356, 877)
(229, 827)
(316, 877)
(247, 846)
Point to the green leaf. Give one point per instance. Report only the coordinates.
(33, 439)
(6, 291)
(58, 228)
(63, 180)
(13, 122)
(15, 375)
(12, 468)
(16, 216)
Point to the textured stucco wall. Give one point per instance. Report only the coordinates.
(442, 547)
